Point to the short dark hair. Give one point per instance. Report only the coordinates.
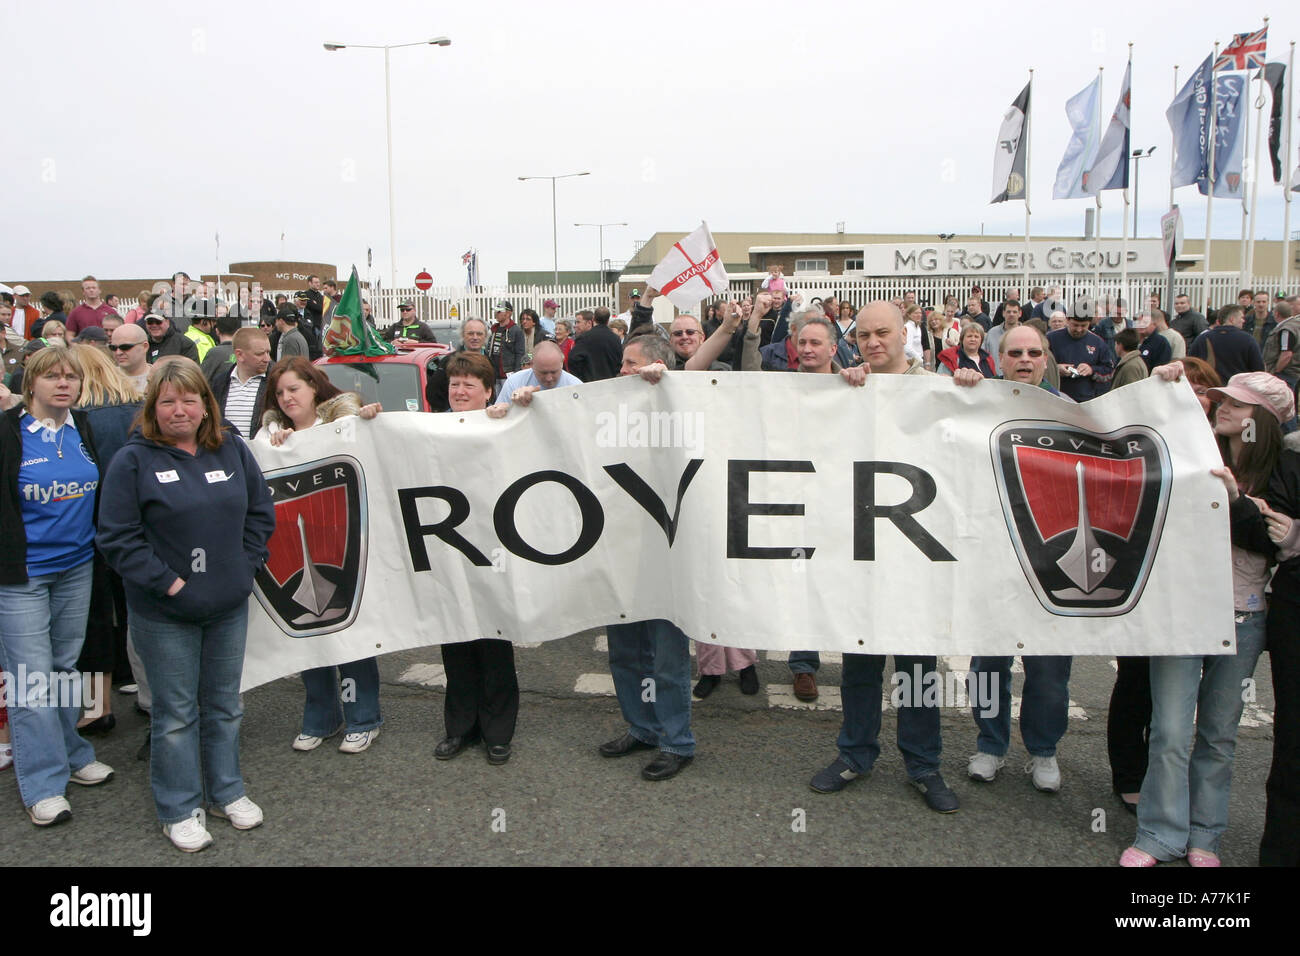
(288, 314)
(229, 324)
(1127, 338)
(316, 380)
(654, 348)
(472, 365)
(52, 301)
(1228, 311)
(601, 315)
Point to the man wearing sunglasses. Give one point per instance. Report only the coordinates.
(686, 335)
(129, 346)
(165, 340)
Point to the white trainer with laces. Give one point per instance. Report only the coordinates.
(357, 742)
(985, 767)
(190, 835)
(243, 814)
(92, 774)
(49, 811)
(1046, 774)
(306, 742)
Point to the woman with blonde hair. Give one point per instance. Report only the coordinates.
(110, 401)
(45, 577)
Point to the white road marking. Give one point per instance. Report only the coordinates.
(827, 657)
(782, 695)
(602, 684)
(430, 675)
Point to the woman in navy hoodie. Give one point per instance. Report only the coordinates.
(185, 516)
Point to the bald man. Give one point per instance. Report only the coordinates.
(546, 372)
(130, 346)
(881, 339)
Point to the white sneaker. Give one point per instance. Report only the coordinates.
(1047, 775)
(984, 767)
(92, 774)
(190, 835)
(6, 756)
(355, 743)
(243, 814)
(49, 811)
(306, 742)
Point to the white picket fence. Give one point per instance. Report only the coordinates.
(435, 305)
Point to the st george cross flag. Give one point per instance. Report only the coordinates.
(1081, 110)
(1245, 52)
(692, 271)
(1110, 168)
(1009, 158)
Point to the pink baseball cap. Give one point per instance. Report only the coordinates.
(1259, 388)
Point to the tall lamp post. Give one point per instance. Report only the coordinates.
(555, 236)
(388, 124)
(1137, 168)
(600, 231)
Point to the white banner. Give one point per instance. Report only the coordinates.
(781, 512)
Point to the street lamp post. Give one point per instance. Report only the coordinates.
(1137, 168)
(600, 232)
(555, 235)
(388, 126)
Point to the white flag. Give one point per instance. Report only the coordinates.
(1081, 109)
(692, 270)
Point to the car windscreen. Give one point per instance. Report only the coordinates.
(394, 385)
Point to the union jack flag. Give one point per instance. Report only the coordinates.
(1245, 52)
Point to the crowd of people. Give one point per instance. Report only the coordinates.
(113, 424)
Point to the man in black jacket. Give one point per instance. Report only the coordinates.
(240, 386)
(165, 340)
(597, 354)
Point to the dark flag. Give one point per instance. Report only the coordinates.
(346, 332)
(1009, 158)
(1275, 76)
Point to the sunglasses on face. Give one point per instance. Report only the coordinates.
(123, 348)
(1032, 353)
(683, 333)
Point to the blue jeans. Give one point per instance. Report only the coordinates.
(42, 627)
(1184, 803)
(804, 662)
(321, 714)
(918, 727)
(658, 713)
(1044, 703)
(194, 670)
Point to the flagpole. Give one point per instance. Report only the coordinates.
(1173, 152)
(1209, 174)
(1029, 110)
(1286, 176)
(1123, 255)
(1096, 231)
(1246, 158)
(1249, 278)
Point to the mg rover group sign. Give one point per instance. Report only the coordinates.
(768, 511)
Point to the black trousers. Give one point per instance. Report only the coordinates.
(1128, 724)
(482, 690)
(1280, 845)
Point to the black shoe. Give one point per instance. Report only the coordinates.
(708, 683)
(749, 680)
(498, 753)
(938, 796)
(665, 765)
(834, 778)
(451, 746)
(143, 752)
(100, 725)
(623, 746)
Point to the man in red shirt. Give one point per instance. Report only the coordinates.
(90, 313)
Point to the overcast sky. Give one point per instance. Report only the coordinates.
(138, 130)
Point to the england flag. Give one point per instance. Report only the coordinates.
(692, 270)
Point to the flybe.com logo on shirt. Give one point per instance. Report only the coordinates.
(58, 491)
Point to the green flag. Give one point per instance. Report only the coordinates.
(346, 332)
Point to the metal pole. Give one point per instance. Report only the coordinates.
(388, 127)
(1137, 174)
(1209, 173)
(1173, 155)
(1096, 235)
(1028, 284)
(1286, 176)
(555, 236)
(600, 243)
(1249, 282)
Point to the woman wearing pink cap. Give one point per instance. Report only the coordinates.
(1183, 808)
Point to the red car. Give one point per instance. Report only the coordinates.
(398, 382)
